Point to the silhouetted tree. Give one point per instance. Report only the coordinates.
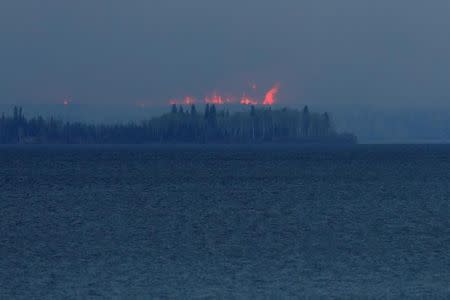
(178, 126)
(326, 124)
(306, 121)
(206, 114)
(212, 116)
(193, 110)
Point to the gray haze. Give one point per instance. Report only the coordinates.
(324, 53)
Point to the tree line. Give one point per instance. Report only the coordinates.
(180, 125)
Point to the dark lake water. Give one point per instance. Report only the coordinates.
(224, 222)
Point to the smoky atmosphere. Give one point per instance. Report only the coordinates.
(117, 61)
(240, 149)
(388, 60)
(361, 52)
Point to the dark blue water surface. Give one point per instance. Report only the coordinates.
(224, 222)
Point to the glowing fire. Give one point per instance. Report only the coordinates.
(270, 98)
(247, 101)
(67, 101)
(189, 100)
(214, 99)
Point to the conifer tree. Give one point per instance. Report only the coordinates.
(206, 115)
(193, 110)
(306, 120)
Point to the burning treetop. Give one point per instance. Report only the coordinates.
(270, 98)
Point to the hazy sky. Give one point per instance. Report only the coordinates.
(323, 51)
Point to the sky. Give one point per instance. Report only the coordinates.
(327, 52)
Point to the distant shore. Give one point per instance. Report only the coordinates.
(182, 125)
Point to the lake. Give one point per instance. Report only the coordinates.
(224, 221)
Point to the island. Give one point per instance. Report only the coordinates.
(182, 124)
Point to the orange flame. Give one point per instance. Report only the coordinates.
(271, 95)
(189, 100)
(270, 98)
(67, 101)
(215, 99)
(230, 100)
(247, 101)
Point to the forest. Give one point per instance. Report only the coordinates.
(180, 125)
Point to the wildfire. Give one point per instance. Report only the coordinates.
(270, 98)
(214, 99)
(67, 101)
(247, 101)
(189, 100)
